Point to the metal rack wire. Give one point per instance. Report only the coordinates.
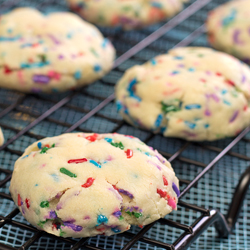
(26, 118)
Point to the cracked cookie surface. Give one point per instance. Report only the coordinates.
(191, 93)
(128, 14)
(80, 185)
(50, 53)
(229, 27)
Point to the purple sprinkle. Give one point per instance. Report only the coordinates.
(243, 79)
(136, 207)
(236, 37)
(74, 227)
(234, 116)
(177, 191)
(52, 214)
(55, 40)
(60, 57)
(189, 134)
(117, 214)
(59, 206)
(41, 79)
(207, 112)
(140, 210)
(131, 209)
(126, 193)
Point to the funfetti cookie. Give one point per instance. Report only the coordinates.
(79, 185)
(50, 53)
(128, 14)
(1, 137)
(192, 93)
(228, 28)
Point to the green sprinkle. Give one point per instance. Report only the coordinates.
(43, 58)
(94, 52)
(137, 215)
(62, 233)
(121, 218)
(129, 213)
(169, 108)
(45, 149)
(44, 204)
(41, 223)
(67, 172)
(117, 145)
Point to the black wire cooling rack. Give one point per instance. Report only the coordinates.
(26, 118)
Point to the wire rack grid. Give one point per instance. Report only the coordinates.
(26, 118)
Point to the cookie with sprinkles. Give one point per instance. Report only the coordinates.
(80, 185)
(192, 93)
(229, 29)
(126, 13)
(1, 137)
(50, 53)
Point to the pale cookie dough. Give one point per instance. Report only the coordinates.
(191, 93)
(1, 137)
(128, 14)
(229, 28)
(51, 53)
(79, 185)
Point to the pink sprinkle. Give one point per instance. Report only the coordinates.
(172, 203)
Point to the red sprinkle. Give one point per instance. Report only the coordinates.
(77, 160)
(129, 153)
(7, 70)
(27, 201)
(218, 74)
(88, 183)
(230, 82)
(141, 226)
(114, 186)
(92, 138)
(245, 107)
(165, 181)
(47, 146)
(19, 200)
(161, 193)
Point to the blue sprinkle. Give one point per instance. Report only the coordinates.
(36, 185)
(206, 126)
(118, 105)
(34, 65)
(146, 153)
(9, 39)
(25, 156)
(95, 163)
(39, 145)
(190, 124)
(69, 35)
(158, 120)
(177, 191)
(116, 230)
(191, 69)
(101, 219)
(193, 106)
(131, 91)
(9, 30)
(55, 177)
(163, 130)
(97, 68)
(105, 42)
(175, 72)
(77, 75)
(108, 139)
(153, 61)
(126, 111)
(156, 5)
(227, 102)
(178, 57)
(224, 91)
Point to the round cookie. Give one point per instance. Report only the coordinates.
(229, 29)
(51, 53)
(128, 14)
(191, 93)
(1, 137)
(80, 185)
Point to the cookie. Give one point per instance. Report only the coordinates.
(228, 29)
(80, 185)
(51, 53)
(1, 137)
(191, 93)
(126, 14)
